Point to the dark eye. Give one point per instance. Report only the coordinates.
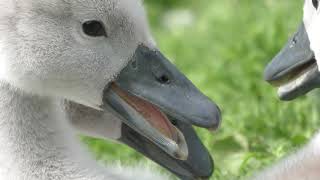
(315, 3)
(94, 28)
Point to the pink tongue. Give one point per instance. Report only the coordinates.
(150, 112)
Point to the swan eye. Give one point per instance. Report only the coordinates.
(94, 28)
(315, 3)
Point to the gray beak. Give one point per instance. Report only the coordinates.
(198, 165)
(152, 77)
(148, 95)
(294, 69)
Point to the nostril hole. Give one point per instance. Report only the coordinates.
(293, 42)
(164, 79)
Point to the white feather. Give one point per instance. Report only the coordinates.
(311, 20)
(46, 62)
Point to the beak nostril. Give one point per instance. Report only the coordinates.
(293, 42)
(163, 79)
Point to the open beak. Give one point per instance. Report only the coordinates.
(149, 94)
(198, 165)
(294, 70)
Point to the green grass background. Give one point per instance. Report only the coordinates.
(224, 51)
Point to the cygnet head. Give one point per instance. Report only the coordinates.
(100, 54)
(295, 70)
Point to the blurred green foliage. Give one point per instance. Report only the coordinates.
(223, 47)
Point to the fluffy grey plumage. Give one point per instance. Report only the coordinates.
(46, 62)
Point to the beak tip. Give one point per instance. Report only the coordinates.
(215, 118)
(270, 73)
(218, 118)
(266, 76)
(285, 97)
(205, 114)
